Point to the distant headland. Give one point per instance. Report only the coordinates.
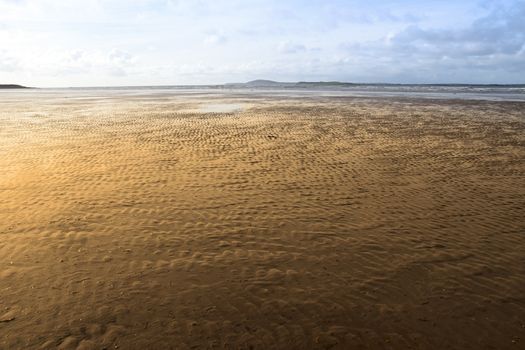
(263, 83)
(271, 83)
(12, 86)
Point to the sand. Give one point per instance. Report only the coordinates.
(134, 221)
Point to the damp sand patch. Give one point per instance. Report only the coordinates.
(216, 108)
(221, 108)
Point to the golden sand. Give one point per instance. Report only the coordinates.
(136, 221)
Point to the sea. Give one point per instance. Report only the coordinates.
(440, 91)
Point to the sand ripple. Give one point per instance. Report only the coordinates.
(315, 223)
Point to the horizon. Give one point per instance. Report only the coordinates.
(111, 43)
(239, 84)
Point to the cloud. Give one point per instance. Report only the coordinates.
(74, 63)
(216, 38)
(501, 32)
(288, 47)
(493, 43)
(8, 63)
(120, 57)
(96, 42)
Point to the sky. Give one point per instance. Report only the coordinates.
(59, 43)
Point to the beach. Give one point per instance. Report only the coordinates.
(137, 219)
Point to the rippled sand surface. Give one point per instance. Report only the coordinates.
(134, 221)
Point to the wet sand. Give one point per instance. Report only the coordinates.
(137, 221)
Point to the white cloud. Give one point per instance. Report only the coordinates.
(97, 42)
(214, 39)
(120, 57)
(8, 63)
(492, 43)
(290, 48)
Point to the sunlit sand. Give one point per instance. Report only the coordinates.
(161, 220)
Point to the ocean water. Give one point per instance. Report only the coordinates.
(463, 92)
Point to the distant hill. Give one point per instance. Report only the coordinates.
(12, 86)
(277, 84)
(324, 83)
(260, 83)
(263, 83)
